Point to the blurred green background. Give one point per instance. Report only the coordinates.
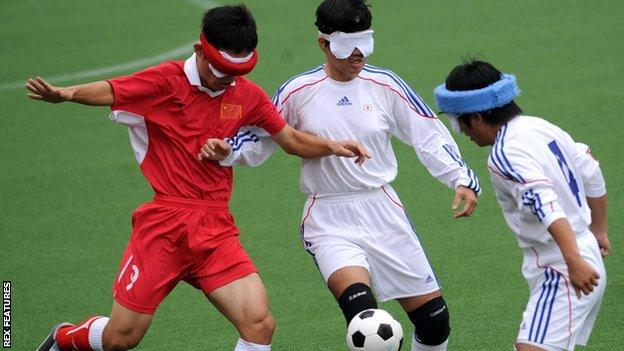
(69, 181)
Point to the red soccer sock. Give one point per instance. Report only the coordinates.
(75, 337)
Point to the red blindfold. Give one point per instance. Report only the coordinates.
(224, 65)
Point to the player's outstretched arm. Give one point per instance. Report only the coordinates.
(598, 207)
(307, 145)
(582, 276)
(94, 94)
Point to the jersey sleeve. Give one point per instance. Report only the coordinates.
(139, 92)
(518, 173)
(416, 125)
(251, 146)
(589, 168)
(265, 115)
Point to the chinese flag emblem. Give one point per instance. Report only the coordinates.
(231, 111)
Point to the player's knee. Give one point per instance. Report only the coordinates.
(266, 326)
(355, 299)
(258, 326)
(431, 322)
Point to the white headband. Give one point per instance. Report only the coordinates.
(342, 44)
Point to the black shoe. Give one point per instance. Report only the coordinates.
(49, 344)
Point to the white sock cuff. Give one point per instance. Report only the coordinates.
(95, 333)
(243, 345)
(416, 346)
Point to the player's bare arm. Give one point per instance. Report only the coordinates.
(97, 93)
(598, 226)
(470, 199)
(307, 145)
(582, 276)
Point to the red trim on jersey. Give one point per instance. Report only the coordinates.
(222, 64)
(391, 199)
(401, 95)
(567, 288)
(525, 182)
(301, 87)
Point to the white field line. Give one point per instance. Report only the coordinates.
(122, 67)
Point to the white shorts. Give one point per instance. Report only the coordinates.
(555, 319)
(368, 229)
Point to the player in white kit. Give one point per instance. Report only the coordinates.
(553, 196)
(354, 224)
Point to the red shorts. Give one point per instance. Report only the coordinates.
(177, 239)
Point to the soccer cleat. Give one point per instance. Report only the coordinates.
(49, 344)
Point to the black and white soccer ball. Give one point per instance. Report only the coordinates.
(374, 330)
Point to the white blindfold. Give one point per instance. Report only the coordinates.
(230, 58)
(454, 120)
(342, 44)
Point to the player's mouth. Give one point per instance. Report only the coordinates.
(357, 61)
(225, 82)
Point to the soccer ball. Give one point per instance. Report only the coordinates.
(374, 330)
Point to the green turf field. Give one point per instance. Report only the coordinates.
(69, 180)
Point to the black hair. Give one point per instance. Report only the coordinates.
(346, 16)
(476, 74)
(230, 28)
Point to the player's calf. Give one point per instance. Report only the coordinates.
(121, 338)
(355, 299)
(431, 325)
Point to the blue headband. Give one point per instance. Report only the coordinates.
(484, 99)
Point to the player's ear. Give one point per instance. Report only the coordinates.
(199, 51)
(477, 118)
(323, 44)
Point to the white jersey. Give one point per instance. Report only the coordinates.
(539, 175)
(370, 109)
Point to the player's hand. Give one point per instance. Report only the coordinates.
(41, 90)
(582, 276)
(351, 148)
(603, 243)
(214, 150)
(470, 199)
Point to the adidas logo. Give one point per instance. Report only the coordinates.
(429, 279)
(344, 102)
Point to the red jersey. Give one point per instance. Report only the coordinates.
(170, 116)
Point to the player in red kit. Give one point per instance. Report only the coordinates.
(187, 232)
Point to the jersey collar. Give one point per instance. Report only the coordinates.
(192, 74)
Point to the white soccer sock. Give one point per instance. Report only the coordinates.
(95, 333)
(416, 346)
(243, 345)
